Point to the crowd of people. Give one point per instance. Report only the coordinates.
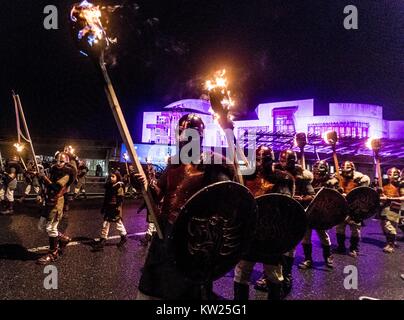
(161, 278)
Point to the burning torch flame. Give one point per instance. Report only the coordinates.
(19, 147)
(219, 81)
(373, 144)
(90, 16)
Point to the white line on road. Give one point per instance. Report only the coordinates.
(75, 243)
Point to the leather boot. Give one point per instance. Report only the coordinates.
(308, 260)
(287, 265)
(53, 253)
(329, 261)
(341, 243)
(354, 248)
(63, 242)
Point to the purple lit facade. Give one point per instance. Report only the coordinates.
(351, 120)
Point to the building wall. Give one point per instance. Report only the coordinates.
(396, 129)
(371, 114)
(340, 113)
(303, 115)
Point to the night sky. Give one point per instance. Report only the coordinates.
(272, 49)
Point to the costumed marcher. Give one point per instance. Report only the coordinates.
(391, 198)
(74, 162)
(61, 176)
(304, 193)
(265, 180)
(32, 180)
(80, 187)
(322, 178)
(350, 179)
(9, 185)
(112, 209)
(181, 179)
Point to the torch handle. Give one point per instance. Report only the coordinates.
(303, 158)
(336, 164)
(379, 171)
(127, 139)
(232, 142)
(1, 162)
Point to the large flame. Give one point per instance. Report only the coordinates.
(19, 147)
(88, 17)
(219, 83)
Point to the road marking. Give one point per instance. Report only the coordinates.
(75, 243)
(367, 298)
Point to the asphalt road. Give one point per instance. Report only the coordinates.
(114, 273)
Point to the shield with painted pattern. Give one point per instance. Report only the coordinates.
(328, 209)
(281, 225)
(363, 203)
(213, 230)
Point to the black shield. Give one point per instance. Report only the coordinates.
(328, 209)
(363, 203)
(280, 226)
(213, 230)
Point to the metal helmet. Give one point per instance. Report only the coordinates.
(62, 158)
(348, 169)
(394, 174)
(191, 121)
(288, 159)
(264, 153)
(321, 169)
(264, 159)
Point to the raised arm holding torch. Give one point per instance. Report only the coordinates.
(375, 145)
(331, 138)
(221, 103)
(301, 142)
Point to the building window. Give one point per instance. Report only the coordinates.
(356, 130)
(284, 119)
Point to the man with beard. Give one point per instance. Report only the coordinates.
(265, 180)
(322, 178)
(183, 177)
(8, 186)
(350, 179)
(391, 198)
(61, 176)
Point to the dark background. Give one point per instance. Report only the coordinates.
(166, 48)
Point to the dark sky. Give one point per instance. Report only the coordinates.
(272, 49)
